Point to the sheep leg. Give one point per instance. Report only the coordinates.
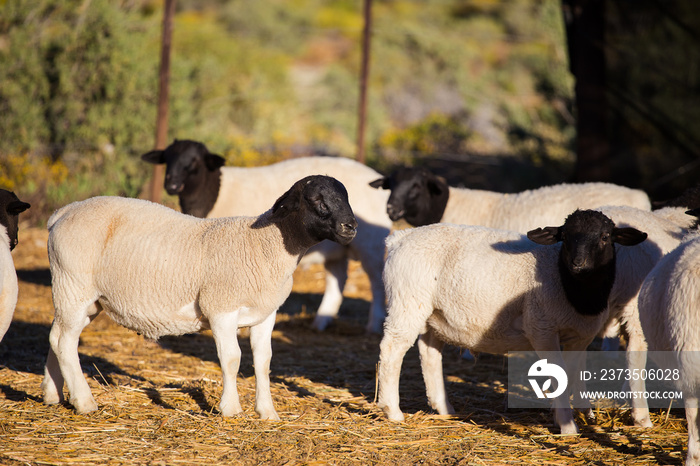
(52, 385)
(64, 339)
(336, 276)
(563, 414)
(691, 415)
(392, 350)
(261, 344)
(430, 349)
(610, 335)
(637, 359)
(575, 359)
(224, 327)
(373, 265)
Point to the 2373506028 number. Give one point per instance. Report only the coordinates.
(638, 374)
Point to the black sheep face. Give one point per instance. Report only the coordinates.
(587, 256)
(186, 164)
(417, 195)
(10, 208)
(587, 242)
(321, 204)
(588, 238)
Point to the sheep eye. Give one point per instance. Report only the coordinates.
(322, 210)
(605, 238)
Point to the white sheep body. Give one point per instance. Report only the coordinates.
(633, 264)
(669, 305)
(265, 184)
(526, 210)
(489, 290)
(125, 234)
(8, 283)
(159, 272)
(437, 263)
(246, 191)
(666, 229)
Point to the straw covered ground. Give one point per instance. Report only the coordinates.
(158, 399)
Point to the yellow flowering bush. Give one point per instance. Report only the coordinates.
(25, 173)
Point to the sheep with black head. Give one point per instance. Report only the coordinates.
(208, 189)
(160, 272)
(496, 291)
(422, 198)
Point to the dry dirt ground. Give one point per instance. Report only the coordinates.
(158, 399)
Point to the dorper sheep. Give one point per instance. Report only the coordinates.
(160, 272)
(496, 291)
(669, 311)
(422, 198)
(208, 189)
(666, 228)
(10, 208)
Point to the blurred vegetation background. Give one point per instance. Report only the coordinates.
(478, 90)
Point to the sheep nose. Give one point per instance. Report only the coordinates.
(173, 187)
(349, 228)
(394, 213)
(578, 262)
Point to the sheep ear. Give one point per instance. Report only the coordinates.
(381, 183)
(628, 236)
(213, 161)
(155, 157)
(286, 204)
(17, 207)
(437, 185)
(545, 236)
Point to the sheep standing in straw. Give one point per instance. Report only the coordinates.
(160, 272)
(206, 188)
(669, 309)
(496, 291)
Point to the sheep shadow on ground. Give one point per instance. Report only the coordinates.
(24, 349)
(38, 276)
(343, 356)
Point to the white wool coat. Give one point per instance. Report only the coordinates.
(250, 190)
(8, 283)
(526, 210)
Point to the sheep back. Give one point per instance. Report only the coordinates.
(160, 272)
(251, 190)
(526, 210)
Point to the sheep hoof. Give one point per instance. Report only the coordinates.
(230, 412)
(270, 416)
(589, 414)
(569, 428)
(322, 322)
(644, 422)
(394, 414)
(52, 397)
(84, 407)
